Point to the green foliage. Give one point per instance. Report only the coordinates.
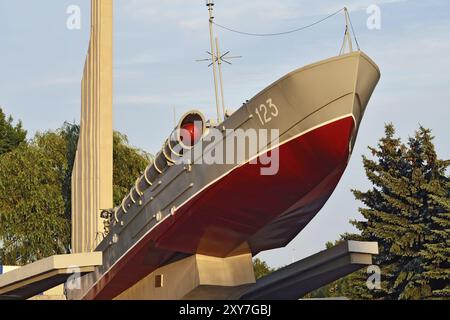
(10, 136)
(408, 213)
(436, 251)
(344, 287)
(35, 192)
(338, 289)
(129, 164)
(261, 268)
(32, 220)
(70, 133)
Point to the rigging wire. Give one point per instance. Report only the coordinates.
(343, 42)
(294, 30)
(279, 33)
(353, 31)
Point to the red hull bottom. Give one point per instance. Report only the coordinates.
(243, 207)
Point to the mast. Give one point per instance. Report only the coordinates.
(210, 5)
(219, 62)
(347, 36)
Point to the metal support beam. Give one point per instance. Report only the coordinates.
(304, 276)
(35, 278)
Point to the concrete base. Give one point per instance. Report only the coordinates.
(197, 277)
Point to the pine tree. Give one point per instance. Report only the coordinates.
(382, 223)
(436, 252)
(405, 214)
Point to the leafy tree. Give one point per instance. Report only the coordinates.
(70, 133)
(261, 268)
(10, 135)
(32, 220)
(129, 164)
(35, 192)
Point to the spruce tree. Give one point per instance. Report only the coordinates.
(405, 213)
(435, 254)
(382, 223)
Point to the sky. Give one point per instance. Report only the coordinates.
(156, 44)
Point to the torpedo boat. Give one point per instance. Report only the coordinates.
(181, 206)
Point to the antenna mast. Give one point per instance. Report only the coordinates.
(219, 64)
(347, 36)
(210, 5)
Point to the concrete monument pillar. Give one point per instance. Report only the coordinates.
(93, 169)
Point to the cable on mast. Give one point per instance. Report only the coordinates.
(279, 33)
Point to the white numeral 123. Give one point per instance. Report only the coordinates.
(266, 112)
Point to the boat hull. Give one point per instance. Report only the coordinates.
(227, 209)
(231, 211)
